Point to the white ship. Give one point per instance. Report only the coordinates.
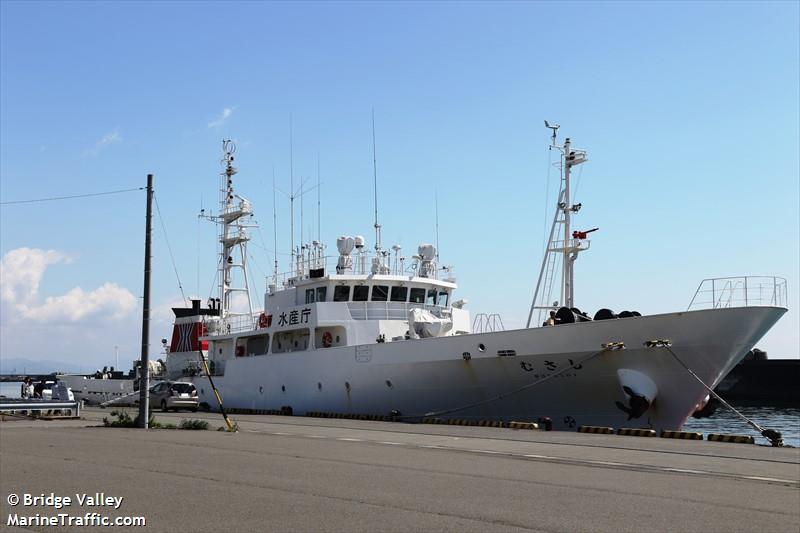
(372, 333)
(107, 385)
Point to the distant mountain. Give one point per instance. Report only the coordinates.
(19, 365)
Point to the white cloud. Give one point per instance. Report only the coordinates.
(21, 272)
(220, 120)
(109, 138)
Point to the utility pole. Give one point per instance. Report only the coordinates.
(144, 366)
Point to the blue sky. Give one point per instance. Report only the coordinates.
(689, 112)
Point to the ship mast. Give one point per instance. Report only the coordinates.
(568, 246)
(234, 216)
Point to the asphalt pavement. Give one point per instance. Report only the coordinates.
(305, 474)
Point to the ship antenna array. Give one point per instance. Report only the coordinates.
(569, 246)
(292, 195)
(232, 221)
(554, 128)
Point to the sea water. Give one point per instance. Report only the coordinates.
(783, 419)
(10, 389)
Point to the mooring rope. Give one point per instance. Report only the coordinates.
(606, 347)
(774, 437)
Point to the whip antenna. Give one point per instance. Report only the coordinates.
(375, 186)
(274, 230)
(436, 201)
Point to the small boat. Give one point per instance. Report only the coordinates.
(105, 385)
(375, 333)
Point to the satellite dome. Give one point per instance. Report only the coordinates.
(359, 240)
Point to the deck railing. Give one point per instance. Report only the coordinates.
(358, 311)
(744, 291)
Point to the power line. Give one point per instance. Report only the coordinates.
(71, 197)
(169, 248)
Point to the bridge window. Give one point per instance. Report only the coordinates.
(322, 293)
(443, 297)
(417, 296)
(380, 293)
(341, 293)
(431, 297)
(399, 294)
(360, 293)
(309, 296)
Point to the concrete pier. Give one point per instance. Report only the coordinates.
(302, 474)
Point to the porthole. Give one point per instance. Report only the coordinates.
(283, 388)
(347, 385)
(389, 384)
(481, 347)
(261, 390)
(319, 386)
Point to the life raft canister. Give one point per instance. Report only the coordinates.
(327, 339)
(264, 320)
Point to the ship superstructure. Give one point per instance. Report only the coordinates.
(373, 332)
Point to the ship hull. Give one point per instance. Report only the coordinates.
(92, 391)
(490, 376)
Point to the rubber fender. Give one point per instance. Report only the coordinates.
(604, 314)
(565, 316)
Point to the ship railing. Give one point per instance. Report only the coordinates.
(358, 311)
(390, 310)
(570, 245)
(232, 324)
(361, 265)
(487, 323)
(741, 291)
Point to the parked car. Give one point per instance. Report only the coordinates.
(174, 395)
